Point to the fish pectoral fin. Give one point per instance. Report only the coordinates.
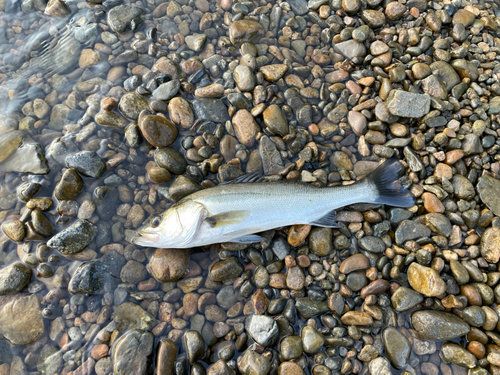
(227, 218)
(249, 238)
(327, 221)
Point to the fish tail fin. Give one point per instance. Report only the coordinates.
(385, 182)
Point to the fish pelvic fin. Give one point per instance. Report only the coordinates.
(249, 238)
(385, 181)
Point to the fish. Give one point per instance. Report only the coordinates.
(237, 212)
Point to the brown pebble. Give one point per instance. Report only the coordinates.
(297, 234)
(476, 348)
(472, 295)
(260, 302)
(303, 261)
(108, 104)
(99, 351)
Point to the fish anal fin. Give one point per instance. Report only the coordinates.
(327, 221)
(227, 218)
(249, 238)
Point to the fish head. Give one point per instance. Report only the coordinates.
(175, 228)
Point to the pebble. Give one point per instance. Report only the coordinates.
(490, 249)
(245, 127)
(226, 269)
(275, 119)
(169, 264)
(181, 112)
(167, 91)
(438, 326)
(87, 163)
(404, 299)
(488, 188)
(14, 278)
(406, 104)
(262, 329)
(245, 30)
(21, 320)
(425, 280)
(397, 347)
(252, 362)
(195, 346)
(454, 353)
(70, 186)
(129, 351)
(158, 131)
(74, 238)
(14, 229)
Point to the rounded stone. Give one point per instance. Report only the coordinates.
(169, 264)
(14, 229)
(245, 31)
(195, 346)
(275, 119)
(181, 112)
(14, 278)
(397, 347)
(425, 280)
(312, 340)
(170, 159)
(158, 131)
(70, 185)
(291, 347)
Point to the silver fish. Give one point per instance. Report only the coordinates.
(235, 212)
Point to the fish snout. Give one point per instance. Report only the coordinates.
(145, 239)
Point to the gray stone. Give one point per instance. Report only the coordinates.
(131, 352)
(299, 7)
(87, 163)
(14, 278)
(167, 91)
(263, 329)
(438, 325)
(196, 42)
(372, 244)
(404, 299)
(272, 162)
(74, 238)
(397, 347)
(410, 230)
(209, 109)
(407, 104)
(120, 17)
(489, 190)
(350, 49)
(90, 278)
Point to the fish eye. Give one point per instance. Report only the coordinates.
(155, 222)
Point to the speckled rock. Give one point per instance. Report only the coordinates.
(438, 325)
(74, 238)
(14, 278)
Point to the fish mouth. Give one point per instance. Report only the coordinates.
(145, 238)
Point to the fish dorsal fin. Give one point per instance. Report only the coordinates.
(327, 221)
(255, 176)
(227, 218)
